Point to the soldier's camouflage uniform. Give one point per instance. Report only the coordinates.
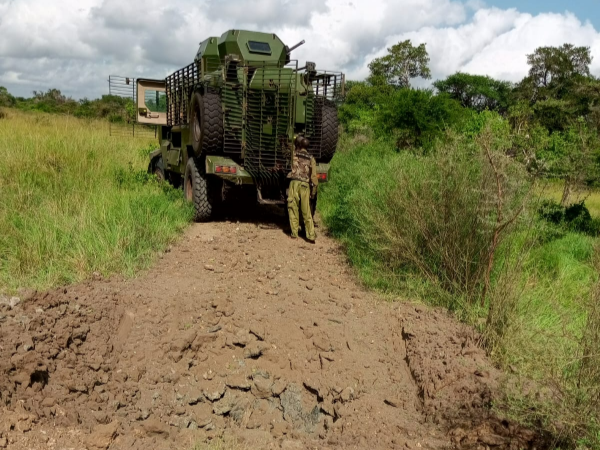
(304, 184)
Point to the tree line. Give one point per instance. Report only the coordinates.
(110, 107)
(554, 112)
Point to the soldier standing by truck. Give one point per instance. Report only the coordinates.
(303, 186)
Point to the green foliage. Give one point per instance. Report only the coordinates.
(357, 112)
(144, 152)
(416, 118)
(76, 201)
(476, 91)
(575, 217)
(556, 67)
(559, 87)
(453, 224)
(5, 98)
(417, 226)
(433, 216)
(413, 118)
(402, 63)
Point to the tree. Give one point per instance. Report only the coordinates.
(559, 86)
(574, 156)
(6, 99)
(554, 71)
(552, 67)
(403, 62)
(476, 91)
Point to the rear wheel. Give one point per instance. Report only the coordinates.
(206, 123)
(196, 191)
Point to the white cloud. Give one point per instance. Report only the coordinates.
(74, 45)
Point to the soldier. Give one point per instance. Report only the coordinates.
(302, 188)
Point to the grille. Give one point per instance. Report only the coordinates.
(179, 87)
(232, 97)
(269, 125)
(327, 88)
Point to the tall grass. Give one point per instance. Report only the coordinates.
(420, 225)
(76, 201)
(439, 217)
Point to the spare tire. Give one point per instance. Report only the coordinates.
(326, 114)
(206, 123)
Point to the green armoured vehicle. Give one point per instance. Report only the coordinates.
(230, 118)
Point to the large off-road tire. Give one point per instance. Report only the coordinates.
(330, 126)
(157, 168)
(206, 123)
(196, 190)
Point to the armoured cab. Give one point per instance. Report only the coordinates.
(234, 113)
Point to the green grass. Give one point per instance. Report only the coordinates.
(76, 201)
(557, 280)
(357, 177)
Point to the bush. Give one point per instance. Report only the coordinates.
(416, 118)
(440, 216)
(575, 217)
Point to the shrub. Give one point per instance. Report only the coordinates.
(575, 217)
(441, 216)
(416, 118)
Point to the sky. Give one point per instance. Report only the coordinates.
(74, 45)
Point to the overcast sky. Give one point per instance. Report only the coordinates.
(74, 45)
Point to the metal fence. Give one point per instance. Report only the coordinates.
(125, 125)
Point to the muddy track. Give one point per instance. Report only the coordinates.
(240, 330)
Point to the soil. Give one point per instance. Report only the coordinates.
(240, 331)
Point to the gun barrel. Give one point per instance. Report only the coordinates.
(291, 49)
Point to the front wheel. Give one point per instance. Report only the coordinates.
(195, 190)
(157, 168)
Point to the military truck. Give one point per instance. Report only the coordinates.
(230, 118)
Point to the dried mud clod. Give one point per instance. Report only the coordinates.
(187, 354)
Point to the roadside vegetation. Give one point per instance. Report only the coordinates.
(76, 201)
(111, 107)
(481, 196)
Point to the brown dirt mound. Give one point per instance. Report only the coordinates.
(240, 330)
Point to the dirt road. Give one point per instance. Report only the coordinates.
(240, 331)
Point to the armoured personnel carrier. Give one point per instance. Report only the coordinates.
(230, 118)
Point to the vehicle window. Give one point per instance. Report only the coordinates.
(156, 101)
(259, 47)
